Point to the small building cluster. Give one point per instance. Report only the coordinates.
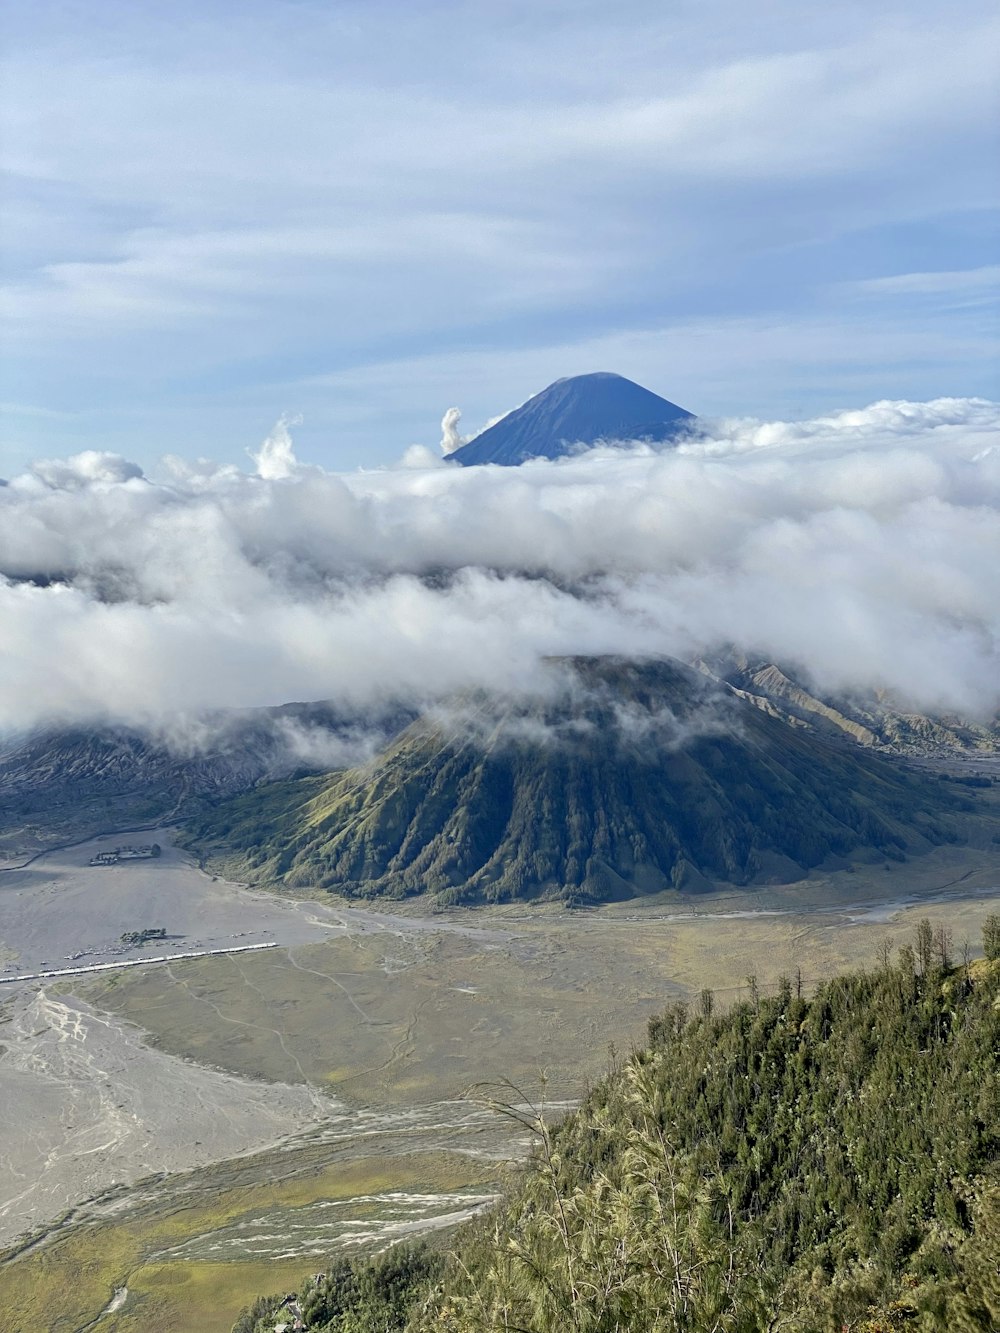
(135, 939)
(126, 854)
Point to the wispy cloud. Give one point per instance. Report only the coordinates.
(957, 282)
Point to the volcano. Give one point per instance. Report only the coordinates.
(630, 778)
(582, 410)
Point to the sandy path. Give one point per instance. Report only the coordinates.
(61, 911)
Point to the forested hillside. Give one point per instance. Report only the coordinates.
(638, 777)
(803, 1164)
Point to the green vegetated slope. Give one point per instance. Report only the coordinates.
(632, 778)
(810, 1165)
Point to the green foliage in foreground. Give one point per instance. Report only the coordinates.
(809, 1165)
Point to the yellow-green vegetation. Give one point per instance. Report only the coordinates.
(198, 1298)
(811, 1164)
(64, 1285)
(398, 1017)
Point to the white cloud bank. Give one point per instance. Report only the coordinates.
(864, 546)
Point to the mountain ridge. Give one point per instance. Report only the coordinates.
(870, 718)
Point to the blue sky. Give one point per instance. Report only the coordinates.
(367, 213)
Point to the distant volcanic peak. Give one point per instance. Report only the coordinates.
(582, 409)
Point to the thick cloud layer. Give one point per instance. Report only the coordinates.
(862, 547)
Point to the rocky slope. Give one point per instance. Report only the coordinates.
(64, 784)
(871, 719)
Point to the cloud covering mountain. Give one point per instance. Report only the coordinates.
(862, 547)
